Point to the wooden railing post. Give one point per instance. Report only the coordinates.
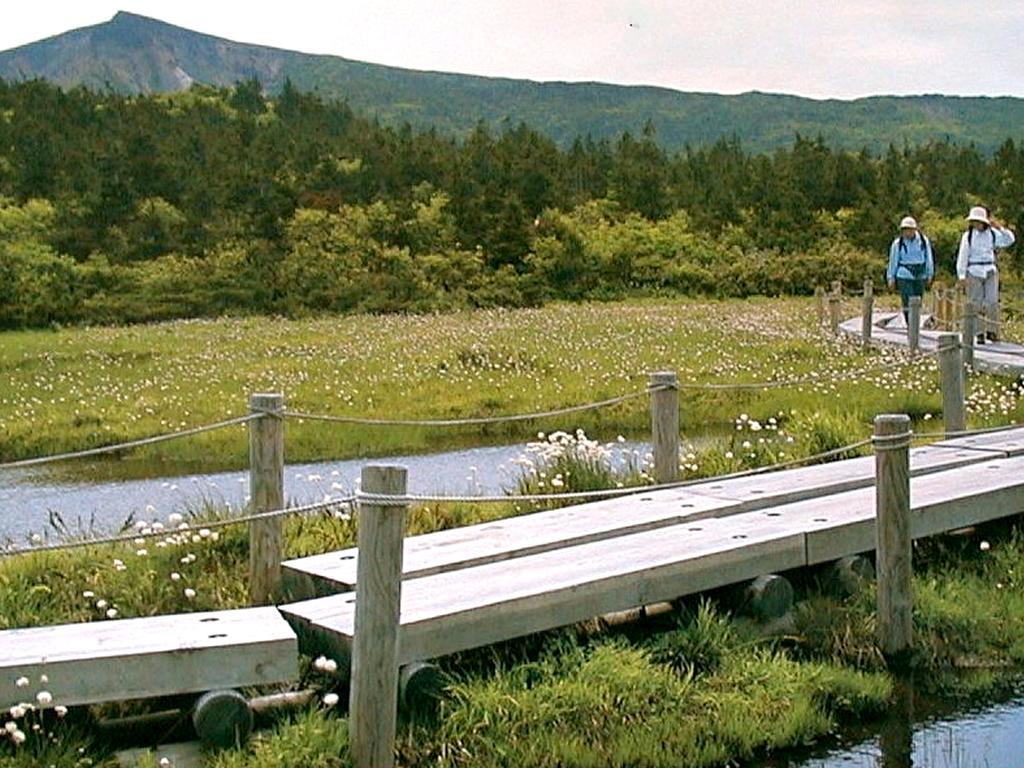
(968, 332)
(893, 535)
(819, 301)
(866, 324)
(914, 325)
(665, 426)
(266, 492)
(373, 694)
(834, 308)
(951, 368)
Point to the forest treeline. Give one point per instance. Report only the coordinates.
(214, 201)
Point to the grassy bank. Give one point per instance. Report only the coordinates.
(77, 388)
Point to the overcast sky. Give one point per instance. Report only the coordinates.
(817, 48)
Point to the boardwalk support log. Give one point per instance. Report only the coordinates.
(373, 697)
(951, 368)
(266, 489)
(768, 597)
(914, 325)
(222, 719)
(892, 535)
(665, 426)
(868, 310)
(848, 574)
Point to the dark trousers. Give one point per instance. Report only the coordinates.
(909, 288)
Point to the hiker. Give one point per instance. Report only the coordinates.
(976, 266)
(911, 264)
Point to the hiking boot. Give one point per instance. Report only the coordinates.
(992, 336)
(980, 339)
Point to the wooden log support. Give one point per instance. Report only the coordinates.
(951, 368)
(914, 325)
(222, 719)
(819, 302)
(848, 574)
(768, 597)
(834, 311)
(867, 313)
(968, 332)
(893, 535)
(420, 686)
(266, 490)
(665, 425)
(373, 697)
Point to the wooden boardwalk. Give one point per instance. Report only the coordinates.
(481, 584)
(497, 592)
(443, 551)
(1002, 358)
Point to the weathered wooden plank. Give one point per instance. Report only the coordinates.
(451, 611)
(148, 657)
(1009, 442)
(454, 611)
(541, 531)
(503, 539)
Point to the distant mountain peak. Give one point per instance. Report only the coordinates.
(133, 54)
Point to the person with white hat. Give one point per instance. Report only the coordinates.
(976, 266)
(911, 263)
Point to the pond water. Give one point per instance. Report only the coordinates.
(929, 733)
(29, 498)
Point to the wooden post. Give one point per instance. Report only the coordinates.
(951, 368)
(914, 325)
(373, 695)
(892, 535)
(837, 288)
(968, 332)
(665, 426)
(819, 300)
(266, 491)
(866, 324)
(834, 308)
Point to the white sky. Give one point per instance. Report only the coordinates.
(841, 49)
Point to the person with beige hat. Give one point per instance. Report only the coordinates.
(911, 263)
(976, 266)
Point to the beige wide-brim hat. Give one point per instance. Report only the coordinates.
(908, 222)
(978, 213)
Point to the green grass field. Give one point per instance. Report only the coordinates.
(71, 389)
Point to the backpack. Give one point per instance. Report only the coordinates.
(917, 270)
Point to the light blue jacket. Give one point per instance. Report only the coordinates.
(910, 253)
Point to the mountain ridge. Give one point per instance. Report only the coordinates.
(137, 54)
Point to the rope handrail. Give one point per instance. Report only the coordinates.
(392, 499)
(474, 420)
(386, 499)
(131, 443)
(207, 525)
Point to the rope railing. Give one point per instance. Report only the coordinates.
(387, 499)
(474, 420)
(403, 499)
(114, 448)
(167, 533)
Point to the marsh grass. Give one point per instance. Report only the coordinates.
(71, 389)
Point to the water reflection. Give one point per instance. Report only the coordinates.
(921, 732)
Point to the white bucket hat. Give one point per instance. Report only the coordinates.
(978, 213)
(908, 222)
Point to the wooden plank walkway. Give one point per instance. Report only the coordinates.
(451, 611)
(527, 534)
(1001, 358)
(148, 657)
